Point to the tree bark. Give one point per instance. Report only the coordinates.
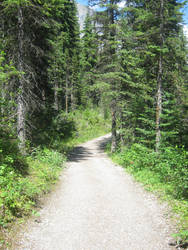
(122, 127)
(21, 125)
(159, 81)
(3, 96)
(67, 94)
(56, 97)
(72, 97)
(114, 134)
(159, 105)
(114, 89)
(3, 85)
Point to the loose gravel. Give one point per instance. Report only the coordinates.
(97, 206)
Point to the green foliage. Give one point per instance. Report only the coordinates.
(23, 181)
(64, 130)
(54, 130)
(63, 55)
(6, 97)
(115, 66)
(140, 54)
(89, 60)
(165, 173)
(170, 166)
(181, 236)
(86, 124)
(90, 123)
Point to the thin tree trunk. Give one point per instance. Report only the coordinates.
(159, 82)
(21, 126)
(72, 97)
(159, 106)
(3, 85)
(114, 89)
(114, 134)
(122, 127)
(67, 94)
(56, 97)
(43, 96)
(3, 96)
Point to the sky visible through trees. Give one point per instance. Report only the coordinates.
(129, 64)
(184, 11)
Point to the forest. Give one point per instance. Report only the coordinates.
(125, 72)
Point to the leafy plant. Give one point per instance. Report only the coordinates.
(165, 173)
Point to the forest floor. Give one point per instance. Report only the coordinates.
(97, 206)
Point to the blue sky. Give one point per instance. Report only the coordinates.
(185, 10)
(82, 2)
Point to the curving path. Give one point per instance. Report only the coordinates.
(97, 206)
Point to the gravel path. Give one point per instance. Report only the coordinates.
(97, 206)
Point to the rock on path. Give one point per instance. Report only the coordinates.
(97, 206)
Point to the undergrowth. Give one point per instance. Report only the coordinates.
(165, 174)
(89, 123)
(63, 131)
(21, 190)
(23, 180)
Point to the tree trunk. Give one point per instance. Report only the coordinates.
(114, 89)
(122, 128)
(3, 85)
(21, 126)
(114, 134)
(56, 97)
(159, 81)
(67, 94)
(159, 105)
(3, 96)
(72, 97)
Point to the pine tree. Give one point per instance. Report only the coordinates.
(35, 37)
(109, 63)
(6, 104)
(21, 46)
(89, 61)
(161, 22)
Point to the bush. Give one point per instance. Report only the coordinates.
(171, 165)
(20, 189)
(166, 173)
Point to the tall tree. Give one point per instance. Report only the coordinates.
(89, 62)
(23, 49)
(156, 26)
(109, 68)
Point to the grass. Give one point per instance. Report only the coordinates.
(24, 180)
(166, 175)
(88, 124)
(20, 196)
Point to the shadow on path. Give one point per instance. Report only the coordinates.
(79, 153)
(83, 153)
(102, 143)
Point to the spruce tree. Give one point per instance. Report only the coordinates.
(23, 49)
(108, 62)
(89, 62)
(156, 26)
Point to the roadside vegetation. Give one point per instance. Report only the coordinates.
(165, 174)
(130, 62)
(25, 179)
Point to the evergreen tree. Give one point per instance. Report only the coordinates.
(89, 61)
(23, 48)
(108, 62)
(41, 39)
(156, 27)
(6, 104)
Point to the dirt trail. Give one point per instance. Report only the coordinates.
(97, 206)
